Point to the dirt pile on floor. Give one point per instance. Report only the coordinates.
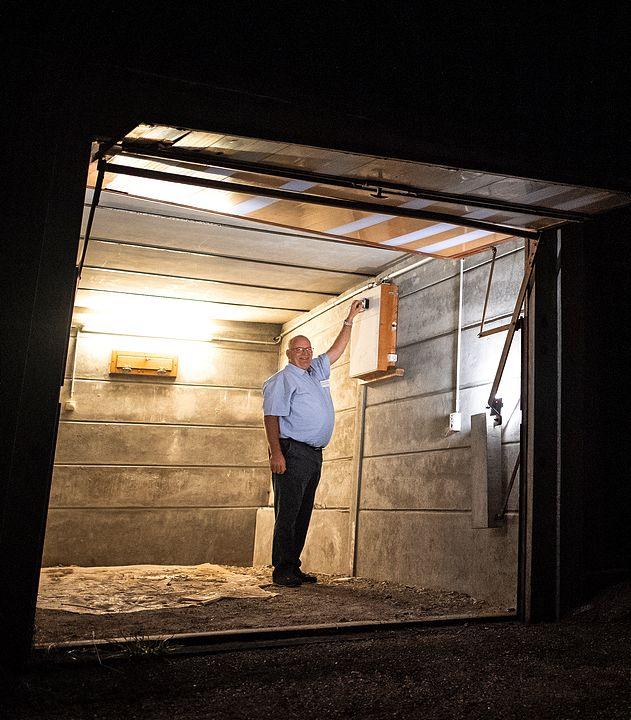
(138, 588)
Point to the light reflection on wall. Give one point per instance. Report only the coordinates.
(129, 314)
(149, 325)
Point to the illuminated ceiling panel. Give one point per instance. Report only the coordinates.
(381, 202)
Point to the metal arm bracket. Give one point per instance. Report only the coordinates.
(495, 403)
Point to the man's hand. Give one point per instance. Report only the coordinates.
(355, 308)
(277, 462)
(341, 341)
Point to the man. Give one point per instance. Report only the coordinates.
(299, 418)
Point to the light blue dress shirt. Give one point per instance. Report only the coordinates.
(301, 399)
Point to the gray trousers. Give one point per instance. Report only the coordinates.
(294, 492)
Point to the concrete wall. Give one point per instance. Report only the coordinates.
(414, 485)
(414, 523)
(175, 471)
(160, 470)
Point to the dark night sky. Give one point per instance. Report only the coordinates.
(531, 77)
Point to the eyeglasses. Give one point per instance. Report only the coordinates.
(302, 350)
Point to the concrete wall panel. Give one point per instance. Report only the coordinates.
(343, 387)
(428, 313)
(197, 234)
(507, 277)
(161, 402)
(410, 425)
(341, 445)
(439, 550)
(96, 443)
(200, 363)
(480, 358)
(326, 546)
(439, 479)
(103, 486)
(226, 269)
(426, 275)
(422, 423)
(428, 480)
(429, 368)
(335, 484)
(158, 536)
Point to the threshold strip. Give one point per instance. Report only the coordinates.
(245, 639)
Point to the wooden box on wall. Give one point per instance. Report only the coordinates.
(374, 334)
(129, 362)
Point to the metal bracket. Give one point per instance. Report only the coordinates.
(512, 326)
(488, 290)
(95, 201)
(500, 515)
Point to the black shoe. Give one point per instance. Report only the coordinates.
(304, 577)
(285, 578)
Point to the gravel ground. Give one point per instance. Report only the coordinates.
(504, 670)
(580, 668)
(333, 599)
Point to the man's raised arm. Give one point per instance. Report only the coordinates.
(341, 341)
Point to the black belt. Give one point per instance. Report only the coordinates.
(313, 447)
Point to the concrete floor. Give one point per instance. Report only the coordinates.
(333, 600)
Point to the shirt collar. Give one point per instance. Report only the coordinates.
(295, 369)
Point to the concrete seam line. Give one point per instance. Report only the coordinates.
(321, 238)
(432, 393)
(418, 452)
(196, 300)
(159, 465)
(350, 293)
(170, 384)
(438, 511)
(455, 275)
(272, 345)
(235, 258)
(417, 396)
(447, 333)
(139, 423)
(156, 507)
(105, 269)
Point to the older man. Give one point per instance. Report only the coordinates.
(299, 421)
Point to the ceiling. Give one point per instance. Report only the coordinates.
(228, 268)
(416, 207)
(258, 231)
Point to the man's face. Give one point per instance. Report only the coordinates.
(300, 352)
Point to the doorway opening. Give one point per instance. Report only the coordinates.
(210, 252)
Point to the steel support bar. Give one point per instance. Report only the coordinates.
(360, 205)
(143, 150)
(488, 289)
(494, 403)
(95, 201)
(509, 489)
(493, 331)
